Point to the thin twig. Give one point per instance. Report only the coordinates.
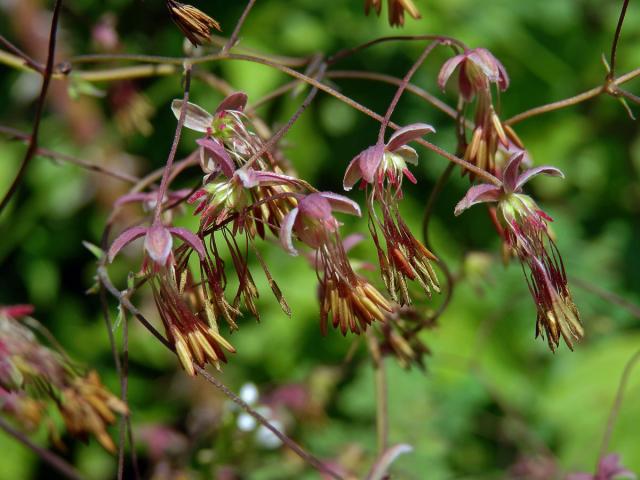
(272, 142)
(46, 79)
(381, 77)
(617, 404)
(611, 297)
(30, 62)
(382, 394)
(438, 38)
(103, 276)
(401, 88)
(616, 37)
(49, 457)
(236, 31)
(568, 102)
(56, 156)
(164, 183)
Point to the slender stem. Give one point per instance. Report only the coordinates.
(30, 62)
(568, 102)
(438, 38)
(428, 211)
(17, 134)
(617, 403)
(49, 457)
(352, 103)
(297, 449)
(287, 126)
(306, 456)
(611, 297)
(381, 77)
(401, 88)
(174, 147)
(616, 38)
(46, 79)
(236, 31)
(382, 405)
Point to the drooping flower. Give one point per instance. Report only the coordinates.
(32, 375)
(478, 69)
(609, 468)
(189, 320)
(351, 301)
(396, 10)
(526, 234)
(227, 146)
(382, 168)
(194, 23)
(157, 242)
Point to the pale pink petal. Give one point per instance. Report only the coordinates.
(408, 134)
(351, 241)
(370, 161)
(381, 466)
(190, 238)
(408, 154)
(181, 194)
(286, 231)
(532, 172)
(158, 244)
(219, 154)
(448, 68)
(340, 203)
(352, 174)
(197, 118)
(124, 239)
(512, 172)
(316, 206)
(478, 194)
(131, 198)
(485, 60)
(235, 102)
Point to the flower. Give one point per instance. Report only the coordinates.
(609, 468)
(32, 373)
(157, 242)
(227, 146)
(194, 24)
(396, 10)
(384, 166)
(526, 234)
(478, 68)
(88, 407)
(189, 319)
(351, 300)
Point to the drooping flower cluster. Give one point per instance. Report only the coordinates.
(247, 192)
(32, 375)
(381, 168)
(526, 234)
(351, 301)
(478, 69)
(396, 9)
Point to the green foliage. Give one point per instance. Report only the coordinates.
(490, 392)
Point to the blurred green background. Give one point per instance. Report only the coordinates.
(492, 396)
